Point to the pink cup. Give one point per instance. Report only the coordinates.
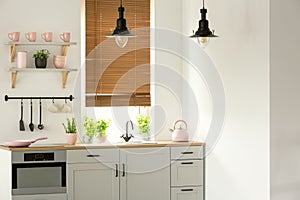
(14, 36)
(31, 36)
(66, 36)
(47, 36)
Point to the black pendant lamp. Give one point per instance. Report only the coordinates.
(203, 34)
(121, 33)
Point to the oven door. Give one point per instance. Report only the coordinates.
(38, 178)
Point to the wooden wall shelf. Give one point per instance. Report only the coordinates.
(13, 46)
(65, 72)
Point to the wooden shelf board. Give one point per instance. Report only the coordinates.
(31, 69)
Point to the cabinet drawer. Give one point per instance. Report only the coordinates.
(92, 155)
(187, 193)
(187, 173)
(187, 152)
(41, 197)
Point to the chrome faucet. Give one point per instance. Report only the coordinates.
(127, 137)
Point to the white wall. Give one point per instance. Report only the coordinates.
(167, 98)
(238, 168)
(36, 15)
(285, 98)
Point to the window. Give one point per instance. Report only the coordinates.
(117, 76)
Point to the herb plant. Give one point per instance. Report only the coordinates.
(143, 123)
(95, 128)
(71, 126)
(43, 54)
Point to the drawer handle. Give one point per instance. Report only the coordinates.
(187, 152)
(187, 190)
(123, 173)
(117, 170)
(92, 156)
(187, 163)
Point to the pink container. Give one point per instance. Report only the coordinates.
(21, 59)
(59, 61)
(71, 138)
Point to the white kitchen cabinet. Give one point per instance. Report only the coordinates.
(92, 181)
(136, 174)
(187, 173)
(93, 174)
(145, 174)
(187, 193)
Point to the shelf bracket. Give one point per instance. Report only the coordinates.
(13, 78)
(64, 50)
(12, 52)
(65, 78)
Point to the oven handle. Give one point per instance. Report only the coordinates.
(92, 156)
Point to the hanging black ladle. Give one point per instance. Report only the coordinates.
(40, 126)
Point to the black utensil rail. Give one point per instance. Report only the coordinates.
(70, 98)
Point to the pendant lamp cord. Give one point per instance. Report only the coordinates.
(202, 3)
(120, 3)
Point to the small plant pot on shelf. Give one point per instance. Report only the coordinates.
(71, 138)
(40, 62)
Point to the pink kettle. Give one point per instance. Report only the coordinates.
(180, 134)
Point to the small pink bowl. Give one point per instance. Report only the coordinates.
(59, 61)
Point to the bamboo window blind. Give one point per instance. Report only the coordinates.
(117, 76)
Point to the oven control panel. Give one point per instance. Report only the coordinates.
(39, 156)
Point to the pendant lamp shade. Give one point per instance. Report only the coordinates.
(203, 34)
(121, 32)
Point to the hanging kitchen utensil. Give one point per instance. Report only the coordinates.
(53, 107)
(40, 126)
(23, 143)
(66, 108)
(180, 134)
(21, 122)
(31, 125)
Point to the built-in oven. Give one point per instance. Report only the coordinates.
(40, 172)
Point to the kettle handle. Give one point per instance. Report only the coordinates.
(180, 121)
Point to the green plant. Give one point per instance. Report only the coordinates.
(143, 123)
(95, 128)
(71, 126)
(43, 54)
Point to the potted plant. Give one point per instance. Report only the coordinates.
(41, 57)
(143, 124)
(96, 130)
(71, 131)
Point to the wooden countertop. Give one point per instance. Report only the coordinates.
(101, 146)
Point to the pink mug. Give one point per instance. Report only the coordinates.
(31, 36)
(14, 36)
(66, 36)
(47, 36)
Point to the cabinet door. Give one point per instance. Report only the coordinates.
(145, 174)
(93, 181)
(187, 193)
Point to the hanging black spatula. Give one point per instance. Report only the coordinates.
(31, 125)
(21, 122)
